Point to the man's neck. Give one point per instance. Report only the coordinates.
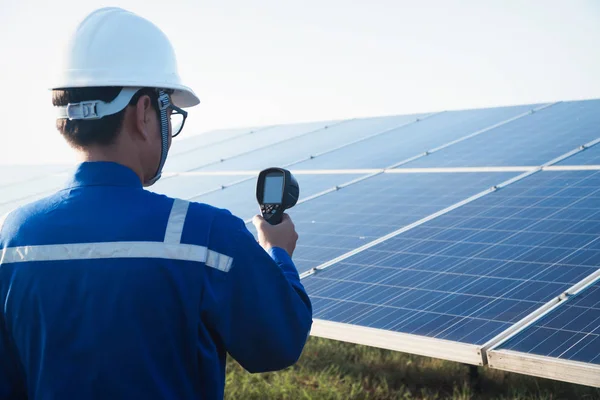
(109, 154)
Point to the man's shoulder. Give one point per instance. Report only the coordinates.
(206, 221)
(28, 212)
(202, 212)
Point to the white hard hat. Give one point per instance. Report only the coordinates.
(115, 47)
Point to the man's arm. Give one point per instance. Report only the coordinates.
(259, 309)
(10, 382)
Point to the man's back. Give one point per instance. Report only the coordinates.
(110, 291)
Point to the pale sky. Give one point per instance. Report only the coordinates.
(265, 62)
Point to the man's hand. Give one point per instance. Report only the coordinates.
(281, 235)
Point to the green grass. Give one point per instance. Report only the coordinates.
(334, 370)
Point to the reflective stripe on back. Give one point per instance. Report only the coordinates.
(90, 251)
(171, 248)
(107, 250)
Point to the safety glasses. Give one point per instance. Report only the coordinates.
(178, 117)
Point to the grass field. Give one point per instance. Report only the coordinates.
(335, 370)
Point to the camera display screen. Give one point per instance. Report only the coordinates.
(273, 189)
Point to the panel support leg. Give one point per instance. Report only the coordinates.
(474, 378)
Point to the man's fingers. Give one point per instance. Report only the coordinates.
(258, 220)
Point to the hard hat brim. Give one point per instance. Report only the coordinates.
(182, 96)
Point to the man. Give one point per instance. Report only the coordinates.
(109, 291)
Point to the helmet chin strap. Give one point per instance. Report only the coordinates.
(163, 104)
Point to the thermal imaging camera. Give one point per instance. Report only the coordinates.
(276, 191)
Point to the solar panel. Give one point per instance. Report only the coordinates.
(305, 146)
(343, 220)
(532, 140)
(194, 158)
(387, 149)
(468, 275)
(563, 343)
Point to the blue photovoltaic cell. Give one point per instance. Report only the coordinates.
(11, 174)
(470, 274)
(188, 141)
(531, 140)
(197, 157)
(570, 332)
(385, 150)
(302, 147)
(13, 195)
(240, 199)
(590, 156)
(338, 222)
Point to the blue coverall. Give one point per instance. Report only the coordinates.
(109, 291)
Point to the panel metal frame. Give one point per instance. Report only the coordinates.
(572, 168)
(545, 367)
(403, 342)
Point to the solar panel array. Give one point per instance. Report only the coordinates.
(470, 235)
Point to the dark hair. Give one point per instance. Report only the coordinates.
(103, 131)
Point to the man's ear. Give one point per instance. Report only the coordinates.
(143, 114)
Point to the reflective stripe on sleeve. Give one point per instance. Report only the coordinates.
(218, 261)
(176, 221)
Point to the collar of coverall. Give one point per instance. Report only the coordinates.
(103, 173)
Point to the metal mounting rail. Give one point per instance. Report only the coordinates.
(572, 168)
(365, 171)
